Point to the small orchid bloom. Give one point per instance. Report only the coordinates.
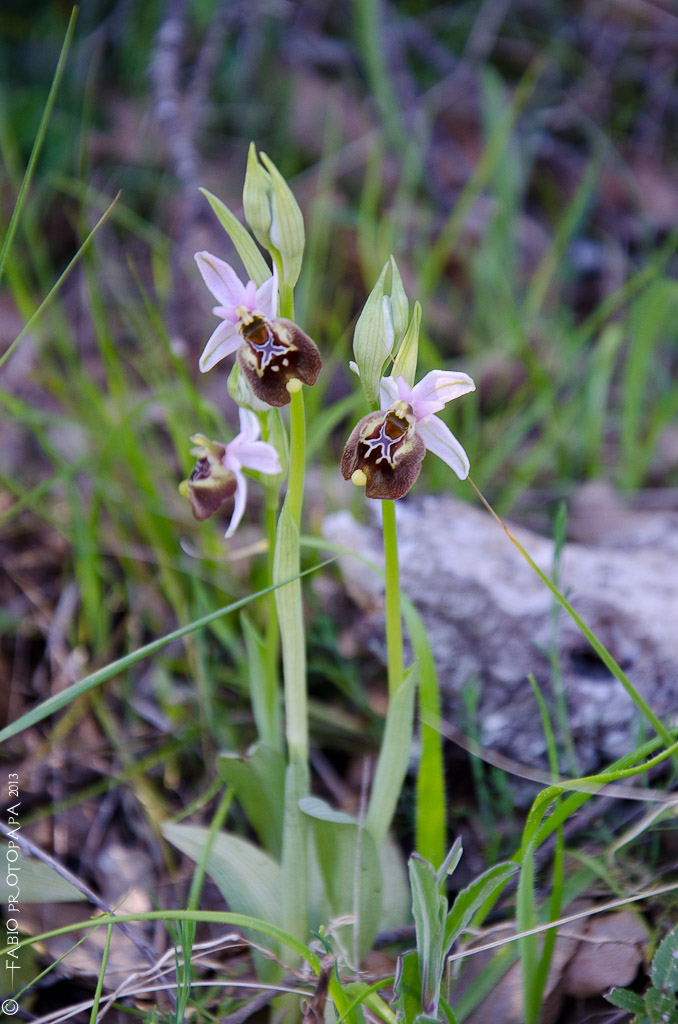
(385, 450)
(273, 353)
(218, 475)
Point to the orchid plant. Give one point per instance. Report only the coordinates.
(274, 360)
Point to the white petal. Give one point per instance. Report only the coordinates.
(442, 386)
(249, 425)
(220, 278)
(239, 505)
(267, 297)
(388, 392)
(224, 340)
(440, 440)
(259, 455)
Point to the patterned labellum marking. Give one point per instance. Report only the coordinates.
(266, 346)
(388, 438)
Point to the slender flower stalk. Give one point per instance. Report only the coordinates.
(297, 456)
(271, 681)
(394, 632)
(289, 597)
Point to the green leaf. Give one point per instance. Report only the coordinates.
(396, 911)
(661, 1007)
(664, 972)
(393, 760)
(351, 873)
(38, 882)
(295, 878)
(429, 908)
(471, 899)
(448, 1011)
(371, 341)
(249, 880)
(626, 1000)
(407, 988)
(359, 993)
(246, 247)
(258, 780)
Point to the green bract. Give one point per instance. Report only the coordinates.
(273, 214)
(256, 199)
(381, 330)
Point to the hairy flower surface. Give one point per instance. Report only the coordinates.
(218, 475)
(386, 449)
(272, 352)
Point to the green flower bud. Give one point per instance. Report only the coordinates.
(241, 392)
(380, 328)
(399, 306)
(273, 214)
(256, 199)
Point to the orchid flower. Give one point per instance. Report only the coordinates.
(386, 448)
(274, 354)
(218, 475)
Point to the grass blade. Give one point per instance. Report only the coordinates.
(37, 145)
(60, 700)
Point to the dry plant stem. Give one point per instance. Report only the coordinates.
(600, 650)
(394, 633)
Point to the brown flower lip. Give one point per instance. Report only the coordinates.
(384, 452)
(209, 485)
(274, 353)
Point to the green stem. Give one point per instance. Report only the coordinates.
(290, 615)
(394, 632)
(288, 599)
(295, 485)
(271, 680)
